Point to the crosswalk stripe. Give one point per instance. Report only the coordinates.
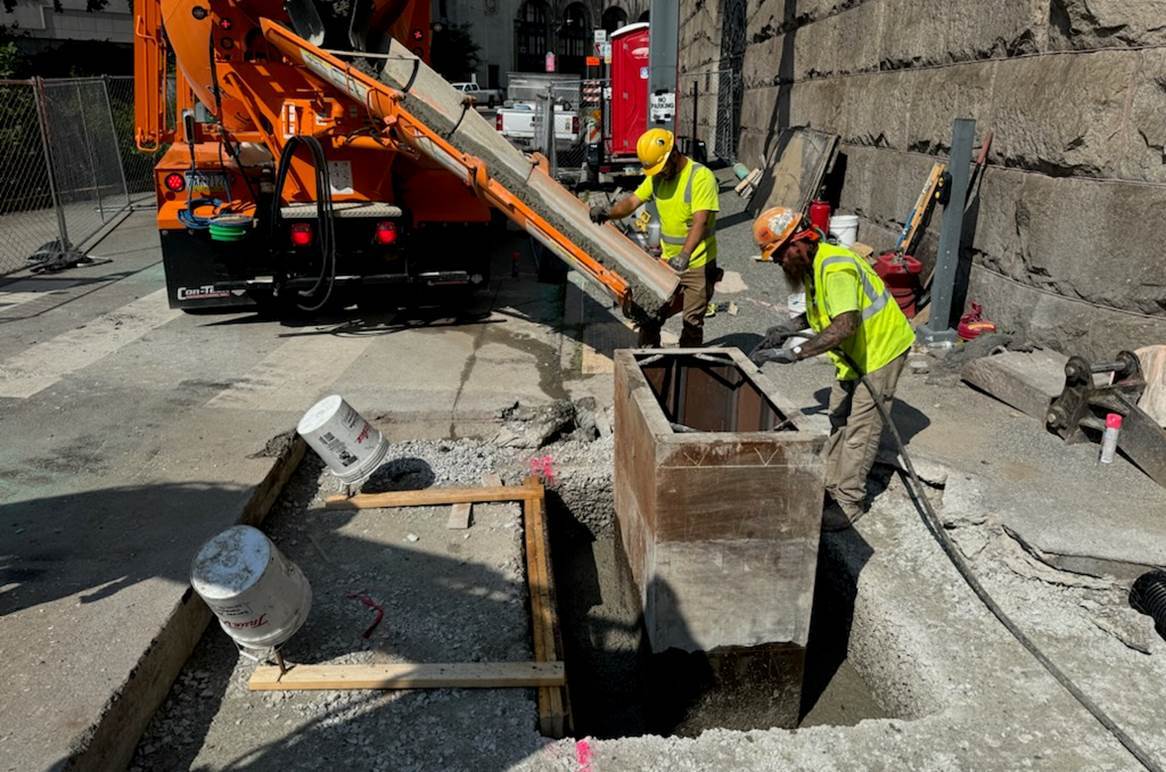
(294, 374)
(40, 366)
(10, 300)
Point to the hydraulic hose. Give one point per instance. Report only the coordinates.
(933, 523)
(324, 216)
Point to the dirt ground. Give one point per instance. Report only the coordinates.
(447, 595)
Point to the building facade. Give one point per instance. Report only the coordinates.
(515, 35)
(36, 20)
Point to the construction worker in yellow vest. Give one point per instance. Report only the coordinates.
(686, 199)
(859, 327)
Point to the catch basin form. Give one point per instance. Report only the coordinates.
(718, 496)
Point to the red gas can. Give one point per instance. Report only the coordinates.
(820, 214)
(901, 275)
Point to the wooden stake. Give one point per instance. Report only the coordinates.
(459, 516)
(551, 701)
(450, 675)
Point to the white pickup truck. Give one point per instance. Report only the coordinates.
(516, 123)
(485, 97)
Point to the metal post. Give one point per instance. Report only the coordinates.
(695, 87)
(89, 149)
(116, 140)
(549, 130)
(662, 54)
(938, 329)
(38, 87)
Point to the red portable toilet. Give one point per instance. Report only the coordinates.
(628, 107)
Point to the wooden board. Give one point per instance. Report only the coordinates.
(922, 206)
(544, 619)
(450, 675)
(1028, 381)
(459, 516)
(1153, 401)
(427, 497)
(794, 170)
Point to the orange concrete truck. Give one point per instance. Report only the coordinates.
(299, 175)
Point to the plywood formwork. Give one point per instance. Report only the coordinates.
(721, 524)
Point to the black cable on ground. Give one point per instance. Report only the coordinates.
(325, 215)
(940, 533)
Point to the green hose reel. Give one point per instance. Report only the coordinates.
(229, 227)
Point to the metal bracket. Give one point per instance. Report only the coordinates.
(1078, 415)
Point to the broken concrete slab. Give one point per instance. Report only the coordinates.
(1028, 381)
(1125, 549)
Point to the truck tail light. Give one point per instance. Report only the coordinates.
(386, 233)
(175, 182)
(301, 234)
(574, 124)
(498, 121)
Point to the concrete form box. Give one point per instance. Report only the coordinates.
(718, 494)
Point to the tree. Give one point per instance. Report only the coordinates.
(453, 52)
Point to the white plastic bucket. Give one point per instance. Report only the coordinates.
(844, 227)
(259, 596)
(350, 446)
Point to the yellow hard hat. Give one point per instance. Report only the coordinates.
(653, 148)
(776, 227)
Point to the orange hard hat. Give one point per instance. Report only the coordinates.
(778, 226)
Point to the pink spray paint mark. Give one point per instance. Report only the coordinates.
(544, 468)
(583, 754)
(378, 610)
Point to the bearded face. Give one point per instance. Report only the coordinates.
(795, 262)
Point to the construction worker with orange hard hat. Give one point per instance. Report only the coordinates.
(859, 327)
(687, 201)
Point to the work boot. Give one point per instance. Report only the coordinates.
(839, 517)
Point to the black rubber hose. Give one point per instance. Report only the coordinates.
(324, 215)
(1148, 595)
(932, 521)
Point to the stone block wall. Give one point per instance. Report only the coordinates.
(1069, 238)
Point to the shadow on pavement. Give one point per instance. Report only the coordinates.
(99, 542)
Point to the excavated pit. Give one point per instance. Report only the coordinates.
(619, 688)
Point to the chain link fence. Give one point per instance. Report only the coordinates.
(710, 109)
(569, 152)
(137, 166)
(68, 166)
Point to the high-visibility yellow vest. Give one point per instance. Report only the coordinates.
(883, 332)
(676, 218)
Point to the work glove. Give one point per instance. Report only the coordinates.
(783, 356)
(680, 262)
(599, 215)
(776, 336)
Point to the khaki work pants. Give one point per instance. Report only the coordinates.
(697, 286)
(856, 427)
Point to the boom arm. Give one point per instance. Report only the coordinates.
(150, 90)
